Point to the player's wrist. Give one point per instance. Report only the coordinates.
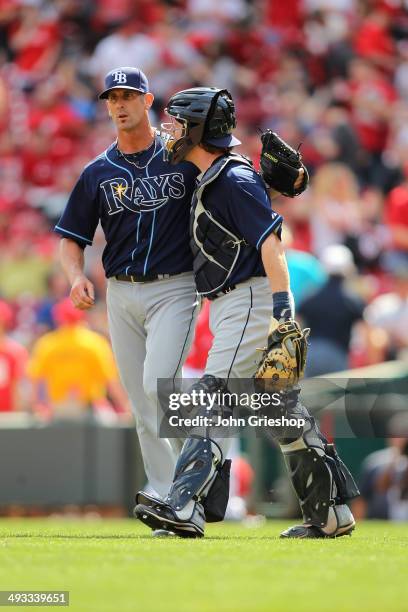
(283, 305)
(78, 277)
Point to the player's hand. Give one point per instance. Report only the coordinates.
(82, 293)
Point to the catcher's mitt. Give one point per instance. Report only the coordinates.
(280, 165)
(283, 360)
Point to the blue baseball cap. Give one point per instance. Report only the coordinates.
(224, 141)
(125, 78)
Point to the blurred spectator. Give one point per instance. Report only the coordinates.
(372, 99)
(368, 244)
(13, 362)
(57, 289)
(384, 477)
(307, 274)
(345, 144)
(213, 15)
(73, 368)
(373, 39)
(331, 313)
(181, 59)
(336, 212)
(375, 474)
(22, 269)
(34, 40)
(387, 319)
(396, 218)
(127, 43)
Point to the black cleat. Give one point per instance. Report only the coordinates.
(163, 533)
(310, 531)
(161, 516)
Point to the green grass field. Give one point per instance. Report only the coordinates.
(115, 565)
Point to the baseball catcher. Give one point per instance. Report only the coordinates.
(280, 165)
(239, 265)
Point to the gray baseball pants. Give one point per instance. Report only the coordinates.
(151, 327)
(239, 321)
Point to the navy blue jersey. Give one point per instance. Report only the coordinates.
(238, 199)
(144, 212)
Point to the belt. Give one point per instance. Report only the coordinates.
(231, 288)
(139, 278)
(220, 293)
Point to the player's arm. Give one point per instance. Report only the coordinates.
(77, 227)
(274, 261)
(72, 260)
(276, 269)
(250, 209)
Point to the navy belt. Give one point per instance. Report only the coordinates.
(220, 293)
(139, 278)
(231, 288)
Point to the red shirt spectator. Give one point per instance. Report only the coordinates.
(13, 361)
(396, 216)
(373, 39)
(34, 41)
(372, 97)
(51, 114)
(284, 15)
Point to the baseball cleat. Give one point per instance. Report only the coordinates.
(145, 498)
(162, 517)
(310, 531)
(163, 533)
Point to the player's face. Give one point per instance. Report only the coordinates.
(172, 131)
(127, 107)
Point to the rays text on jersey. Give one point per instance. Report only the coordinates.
(143, 194)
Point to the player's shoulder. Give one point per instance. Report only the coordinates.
(241, 169)
(99, 161)
(242, 175)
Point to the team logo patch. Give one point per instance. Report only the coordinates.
(142, 194)
(119, 77)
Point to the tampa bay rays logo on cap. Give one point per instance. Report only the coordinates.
(126, 77)
(119, 76)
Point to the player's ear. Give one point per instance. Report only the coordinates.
(107, 106)
(149, 97)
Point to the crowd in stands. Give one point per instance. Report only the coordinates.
(330, 76)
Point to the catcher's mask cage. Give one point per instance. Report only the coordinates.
(197, 115)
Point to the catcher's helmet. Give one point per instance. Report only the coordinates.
(207, 115)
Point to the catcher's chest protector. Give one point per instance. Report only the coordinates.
(215, 248)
